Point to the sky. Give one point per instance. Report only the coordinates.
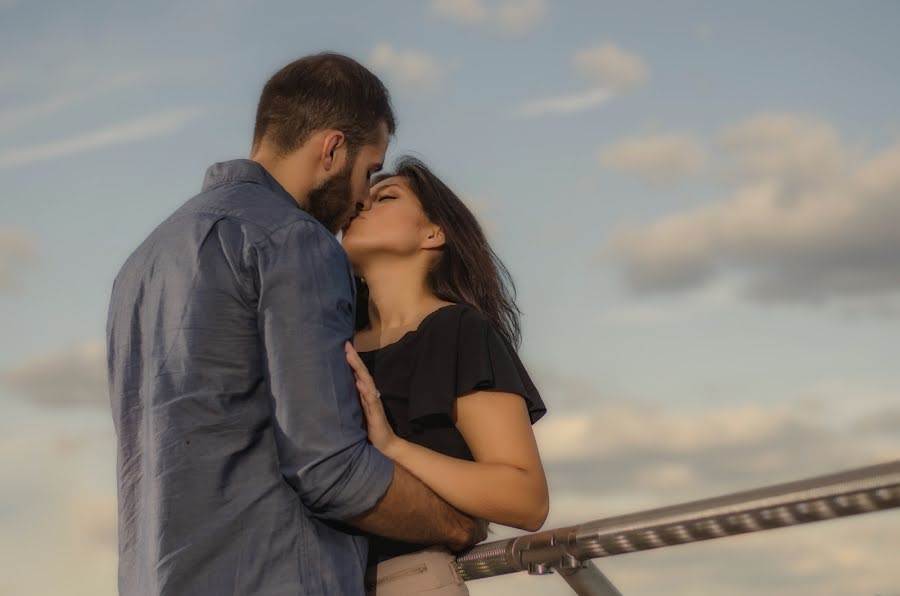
(697, 202)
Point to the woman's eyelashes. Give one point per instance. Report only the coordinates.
(386, 197)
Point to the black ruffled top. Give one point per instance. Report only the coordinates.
(456, 349)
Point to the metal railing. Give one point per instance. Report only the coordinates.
(569, 550)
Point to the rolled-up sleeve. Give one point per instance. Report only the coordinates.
(305, 314)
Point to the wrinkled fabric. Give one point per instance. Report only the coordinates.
(241, 442)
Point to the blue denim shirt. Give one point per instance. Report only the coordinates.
(241, 441)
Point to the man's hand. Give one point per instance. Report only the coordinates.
(412, 512)
(476, 530)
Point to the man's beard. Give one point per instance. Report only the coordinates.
(331, 202)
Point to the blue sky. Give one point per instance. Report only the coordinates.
(695, 201)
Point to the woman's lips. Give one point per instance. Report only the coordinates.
(347, 225)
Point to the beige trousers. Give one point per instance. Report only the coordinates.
(430, 572)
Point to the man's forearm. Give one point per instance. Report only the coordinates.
(412, 512)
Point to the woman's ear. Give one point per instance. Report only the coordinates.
(435, 237)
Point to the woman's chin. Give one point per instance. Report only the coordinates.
(350, 246)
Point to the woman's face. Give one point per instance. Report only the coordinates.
(395, 223)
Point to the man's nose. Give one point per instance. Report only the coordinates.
(364, 204)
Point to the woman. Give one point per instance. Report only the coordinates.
(442, 388)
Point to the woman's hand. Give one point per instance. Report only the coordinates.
(380, 432)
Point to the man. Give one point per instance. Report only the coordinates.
(242, 454)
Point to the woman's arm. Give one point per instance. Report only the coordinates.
(506, 482)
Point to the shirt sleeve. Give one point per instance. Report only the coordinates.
(464, 353)
(305, 314)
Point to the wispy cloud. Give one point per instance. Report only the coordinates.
(610, 71)
(13, 117)
(508, 17)
(145, 127)
(563, 104)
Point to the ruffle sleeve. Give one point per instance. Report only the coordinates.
(464, 352)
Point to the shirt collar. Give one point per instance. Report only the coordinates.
(244, 170)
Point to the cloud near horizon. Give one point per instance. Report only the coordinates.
(73, 375)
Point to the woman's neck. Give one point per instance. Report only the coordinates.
(398, 296)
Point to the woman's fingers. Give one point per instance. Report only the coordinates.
(368, 393)
(352, 357)
(359, 367)
(365, 392)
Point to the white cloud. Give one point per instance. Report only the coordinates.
(794, 149)
(656, 158)
(609, 69)
(611, 66)
(810, 220)
(72, 376)
(564, 104)
(411, 69)
(145, 127)
(509, 17)
(17, 250)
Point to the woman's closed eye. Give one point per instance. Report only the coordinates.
(386, 197)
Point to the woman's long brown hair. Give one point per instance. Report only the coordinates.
(468, 270)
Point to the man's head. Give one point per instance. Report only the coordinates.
(322, 127)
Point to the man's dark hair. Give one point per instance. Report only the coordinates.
(325, 90)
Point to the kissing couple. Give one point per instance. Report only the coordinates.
(298, 414)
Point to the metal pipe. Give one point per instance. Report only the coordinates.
(851, 492)
(587, 580)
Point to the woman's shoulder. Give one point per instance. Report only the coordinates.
(465, 351)
(457, 320)
(448, 312)
(454, 311)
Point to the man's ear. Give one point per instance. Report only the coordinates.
(334, 141)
